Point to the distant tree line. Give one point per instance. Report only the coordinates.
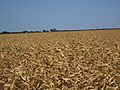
(51, 30)
(6, 32)
(45, 30)
(54, 30)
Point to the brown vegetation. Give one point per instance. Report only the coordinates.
(83, 60)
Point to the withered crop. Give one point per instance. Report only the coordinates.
(81, 60)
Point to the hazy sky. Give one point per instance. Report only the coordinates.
(19, 15)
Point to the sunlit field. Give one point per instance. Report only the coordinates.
(80, 60)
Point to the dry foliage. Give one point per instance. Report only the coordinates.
(85, 60)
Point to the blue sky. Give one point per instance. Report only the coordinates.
(19, 15)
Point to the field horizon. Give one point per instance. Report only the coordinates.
(56, 30)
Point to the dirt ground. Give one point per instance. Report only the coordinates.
(80, 60)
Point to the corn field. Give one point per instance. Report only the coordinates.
(79, 60)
